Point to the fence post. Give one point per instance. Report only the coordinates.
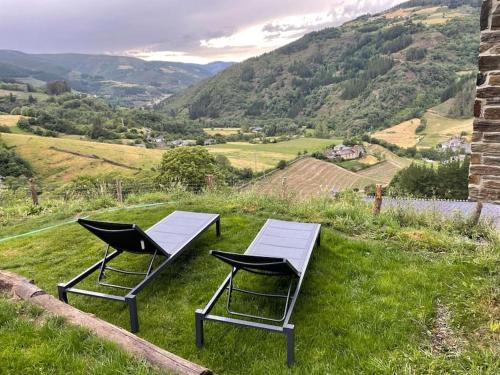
(477, 213)
(283, 188)
(377, 204)
(119, 191)
(34, 193)
(210, 182)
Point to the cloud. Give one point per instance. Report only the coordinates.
(182, 30)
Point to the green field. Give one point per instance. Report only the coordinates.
(371, 302)
(56, 166)
(263, 156)
(24, 95)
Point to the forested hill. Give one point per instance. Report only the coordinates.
(369, 73)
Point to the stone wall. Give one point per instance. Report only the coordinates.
(484, 175)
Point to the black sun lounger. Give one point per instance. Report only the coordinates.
(281, 248)
(167, 238)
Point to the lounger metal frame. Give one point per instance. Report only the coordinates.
(130, 299)
(285, 327)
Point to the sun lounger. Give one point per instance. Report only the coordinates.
(281, 248)
(168, 239)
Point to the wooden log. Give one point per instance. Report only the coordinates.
(377, 204)
(21, 287)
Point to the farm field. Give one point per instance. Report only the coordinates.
(383, 171)
(221, 131)
(10, 120)
(310, 176)
(54, 165)
(23, 94)
(264, 156)
(402, 135)
(440, 129)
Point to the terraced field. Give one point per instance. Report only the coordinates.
(383, 171)
(310, 176)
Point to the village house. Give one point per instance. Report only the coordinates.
(345, 152)
(256, 129)
(208, 142)
(455, 144)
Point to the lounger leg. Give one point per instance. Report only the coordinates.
(132, 308)
(318, 240)
(217, 227)
(290, 344)
(199, 327)
(63, 296)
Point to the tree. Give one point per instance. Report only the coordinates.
(12, 98)
(282, 164)
(321, 130)
(31, 99)
(448, 181)
(188, 167)
(58, 87)
(247, 73)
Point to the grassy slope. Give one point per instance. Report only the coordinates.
(402, 135)
(440, 129)
(9, 120)
(34, 342)
(367, 306)
(57, 166)
(263, 156)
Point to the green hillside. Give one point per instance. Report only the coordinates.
(373, 72)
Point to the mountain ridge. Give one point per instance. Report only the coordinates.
(372, 72)
(92, 73)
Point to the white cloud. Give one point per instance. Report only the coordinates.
(272, 33)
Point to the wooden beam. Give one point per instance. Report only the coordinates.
(23, 288)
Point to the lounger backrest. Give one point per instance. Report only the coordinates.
(122, 237)
(257, 264)
(289, 240)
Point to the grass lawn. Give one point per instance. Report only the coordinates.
(263, 156)
(369, 304)
(34, 342)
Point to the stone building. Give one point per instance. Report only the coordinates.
(484, 174)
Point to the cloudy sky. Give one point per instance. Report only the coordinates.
(174, 30)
